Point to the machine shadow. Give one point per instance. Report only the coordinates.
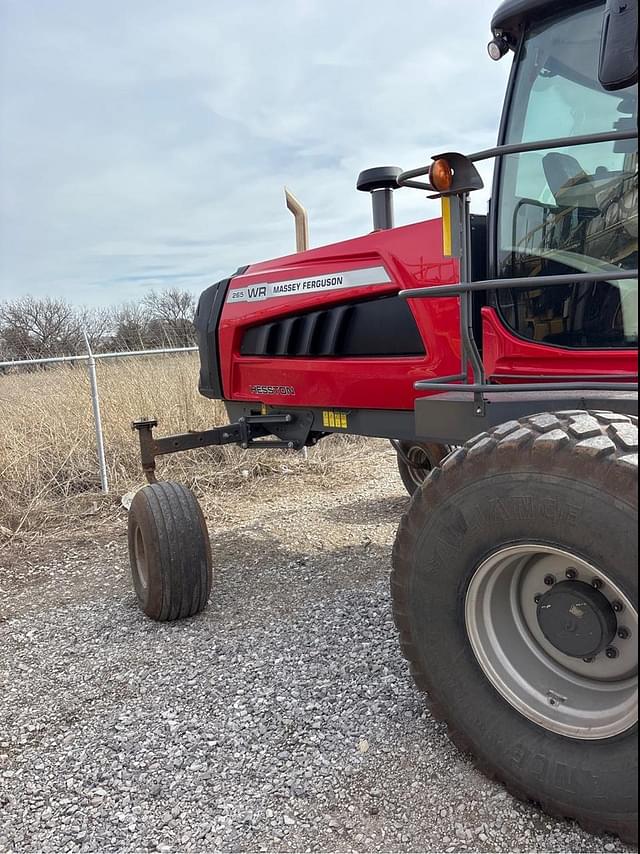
(367, 511)
(258, 576)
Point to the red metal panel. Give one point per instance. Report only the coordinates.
(505, 354)
(412, 257)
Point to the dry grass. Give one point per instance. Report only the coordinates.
(48, 465)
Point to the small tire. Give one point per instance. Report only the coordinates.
(169, 552)
(426, 456)
(556, 485)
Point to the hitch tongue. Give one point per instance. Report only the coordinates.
(250, 431)
(145, 426)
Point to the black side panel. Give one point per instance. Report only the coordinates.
(383, 423)
(452, 417)
(206, 323)
(379, 327)
(479, 248)
(479, 269)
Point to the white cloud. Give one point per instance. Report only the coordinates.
(141, 142)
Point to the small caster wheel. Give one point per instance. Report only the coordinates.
(169, 552)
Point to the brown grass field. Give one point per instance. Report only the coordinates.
(48, 465)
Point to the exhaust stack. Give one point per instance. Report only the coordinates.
(301, 220)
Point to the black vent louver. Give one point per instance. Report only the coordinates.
(380, 327)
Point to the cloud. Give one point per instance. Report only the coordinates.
(157, 136)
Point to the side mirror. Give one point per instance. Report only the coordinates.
(618, 65)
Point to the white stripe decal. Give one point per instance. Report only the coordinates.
(295, 287)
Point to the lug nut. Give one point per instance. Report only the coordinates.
(588, 660)
(549, 580)
(612, 652)
(571, 573)
(617, 606)
(537, 598)
(624, 633)
(596, 583)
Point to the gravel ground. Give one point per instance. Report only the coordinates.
(283, 718)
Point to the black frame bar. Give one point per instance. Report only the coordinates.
(470, 353)
(523, 282)
(248, 431)
(524, 388)
(405, 179)
(546, 144)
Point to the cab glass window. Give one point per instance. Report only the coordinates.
(571, 209)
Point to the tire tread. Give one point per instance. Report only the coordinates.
(171, 517)
(551, 441)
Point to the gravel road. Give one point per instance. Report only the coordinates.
(283, 718)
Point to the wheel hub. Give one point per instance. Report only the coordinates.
(577, 619)
(557, 637)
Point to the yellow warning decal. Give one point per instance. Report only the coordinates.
(335, 420)
(447, 240)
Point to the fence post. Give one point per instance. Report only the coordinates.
(95, 401)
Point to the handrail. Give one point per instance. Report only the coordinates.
(470, 355)
(618, 382)
(438, 291)
(558, 142)
(519, 388)
(405, 179)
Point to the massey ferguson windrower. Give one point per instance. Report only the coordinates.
(499, 354)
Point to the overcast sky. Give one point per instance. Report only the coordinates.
(146, 144)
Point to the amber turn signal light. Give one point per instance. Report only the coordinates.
(441, 175)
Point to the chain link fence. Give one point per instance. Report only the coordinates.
(91, 358)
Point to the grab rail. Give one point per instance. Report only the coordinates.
(405, 179)
(470, 353)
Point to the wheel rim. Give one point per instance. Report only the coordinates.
(587, 698)
(417, 456)
(141, 558)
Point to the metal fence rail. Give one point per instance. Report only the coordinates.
(84, 357)
(91, 358)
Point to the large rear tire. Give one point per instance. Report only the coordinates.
(490, 552)
(169, 552)
(416, 460)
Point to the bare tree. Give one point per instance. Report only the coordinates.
(131, 327)
(99, 324)
(5, 350)
(38, 328)
(170, 316)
